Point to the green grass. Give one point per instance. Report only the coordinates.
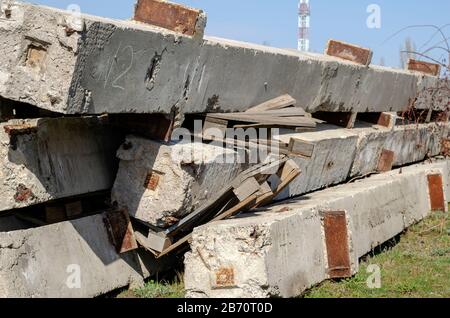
(417, 266)
(155, 289)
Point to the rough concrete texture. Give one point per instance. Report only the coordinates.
(410, 143)
(92, 65)
(49, 158)
(341, 154)
(330, 164)
(158, 187)
(280, 252)
(161, 183)
(44, 262)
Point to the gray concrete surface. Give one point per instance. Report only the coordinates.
(281, 252)
(94, 65)
(58, 158)
(188, 175)
(45, 262)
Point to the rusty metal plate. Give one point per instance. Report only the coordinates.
(424, 67)
(152, 180)
(167, 15)
(436, 189)
(120, 231)
(386, 161)
(336, 238)
(23, 194)
(349, 52)
(225, 277)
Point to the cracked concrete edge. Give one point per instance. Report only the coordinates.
(44, 262)
(294, 258)
(71, 72)
(47, 159)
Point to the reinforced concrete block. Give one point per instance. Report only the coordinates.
(410, 144)
(48, 159)
(282, 251)
(83, 64)
(331, 161)
(69, 259)
(161, 183)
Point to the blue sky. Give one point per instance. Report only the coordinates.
(275, 22)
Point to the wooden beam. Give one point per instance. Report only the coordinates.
(274, 104)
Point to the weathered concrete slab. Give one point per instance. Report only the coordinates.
(47, 159)
(86, 64)
(410, 144)
(330, 164)
(161, 183)
(281, 251)
(342, 154)
(45, 261)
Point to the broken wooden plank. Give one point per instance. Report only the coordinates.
(153, 242)
(286, 112)
(246, 189)
(273, 104)
(237, 208)
(171, 16)
(214, 128)
(287, 174)
(349, 52)
(267, 120)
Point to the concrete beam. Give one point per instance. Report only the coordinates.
(283, 251)
(47, 159)
(86, 64)
(45, 262)
(160, 183)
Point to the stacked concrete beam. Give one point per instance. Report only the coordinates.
(87, 64)
(54, 158)
(68, 259)
(187, 175)
(160, 183)
(282, 251)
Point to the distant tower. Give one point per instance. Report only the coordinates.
(304, 14)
